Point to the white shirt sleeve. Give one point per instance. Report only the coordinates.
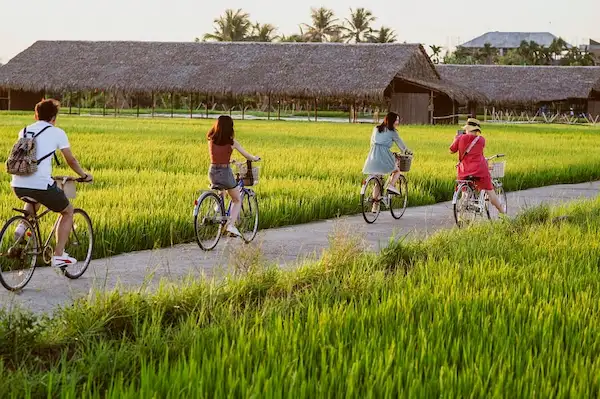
(62, 141)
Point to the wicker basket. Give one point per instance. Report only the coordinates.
(404, 162)
(497, 170)
(249, 174)
(68, 187)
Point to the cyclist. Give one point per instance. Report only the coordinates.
(380, 160)
(39, 188)
(472, 162)
(221, 143)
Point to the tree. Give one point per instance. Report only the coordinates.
(263, 33)
(233, 26)
(324, 25)
(358, 25)
(462, 56)
(488, 54)
(437, 50)
(383, 35)
(294, 38)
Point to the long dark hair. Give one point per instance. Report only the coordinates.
(388, 122)
(222, 131)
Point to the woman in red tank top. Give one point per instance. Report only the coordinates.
(474, 162)
(221, 143)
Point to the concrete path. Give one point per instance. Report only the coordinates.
(289, 245)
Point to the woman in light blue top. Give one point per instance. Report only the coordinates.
(381, 161)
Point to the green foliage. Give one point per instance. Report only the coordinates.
(148, 172)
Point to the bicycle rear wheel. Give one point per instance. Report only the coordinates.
(490, 209)
(370, 199)
(398, 203)
(80, 244)
(18, 253)
(464, 209)
(209, 217)
(248, 222)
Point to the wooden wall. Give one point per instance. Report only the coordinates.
(24, 100)
(413, 108)
(3, 100)
(594, 108)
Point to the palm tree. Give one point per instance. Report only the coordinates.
(263, 33)
(383, 35)
(296, 37)
(324, 25)
(233, 26)
(358, 25)
(437, 50)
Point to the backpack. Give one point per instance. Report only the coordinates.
(22, 158)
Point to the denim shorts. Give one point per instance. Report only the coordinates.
(222, 176)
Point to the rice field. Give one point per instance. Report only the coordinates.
(505, 309)
(149, 171)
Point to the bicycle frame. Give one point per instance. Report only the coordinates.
(471, 184)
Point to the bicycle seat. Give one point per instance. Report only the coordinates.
(217, 187)
(471, 177)
(29, 200)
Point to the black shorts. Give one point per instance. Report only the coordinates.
(53, 198)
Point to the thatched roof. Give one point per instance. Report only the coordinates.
(295, 69)
(525, 84)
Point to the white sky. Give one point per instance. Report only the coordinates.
(441, 22)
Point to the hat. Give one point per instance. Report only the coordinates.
(472, 125)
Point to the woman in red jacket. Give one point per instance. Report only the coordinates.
(473, 163)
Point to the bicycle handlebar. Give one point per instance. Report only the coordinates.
(495, 156)
(71, 178)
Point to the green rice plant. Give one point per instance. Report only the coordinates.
(149, 171)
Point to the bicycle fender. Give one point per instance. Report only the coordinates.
(456, 193)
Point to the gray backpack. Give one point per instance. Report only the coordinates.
(22, 158)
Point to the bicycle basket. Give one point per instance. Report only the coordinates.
(497, 169)
(249, 174)
(68, 187)
(404, 162)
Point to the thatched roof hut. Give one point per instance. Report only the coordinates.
(241, 68)
(503, 84)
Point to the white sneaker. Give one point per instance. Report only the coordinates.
(393, 190)
(375, 207)
(63, 261)
(233, 230)
(20, 232)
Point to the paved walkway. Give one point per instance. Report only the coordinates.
(288, 245)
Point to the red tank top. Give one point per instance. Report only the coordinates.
(220, 154)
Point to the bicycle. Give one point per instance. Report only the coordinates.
(210, 216)
(373, 184)
(20, 251)
(469, 203)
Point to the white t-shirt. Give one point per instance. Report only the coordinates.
(52, 139)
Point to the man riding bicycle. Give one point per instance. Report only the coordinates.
(39, 188)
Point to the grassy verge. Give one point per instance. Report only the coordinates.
(500, 309)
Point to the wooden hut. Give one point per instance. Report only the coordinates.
(399, 75)
(533, 86)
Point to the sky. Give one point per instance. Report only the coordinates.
(441, 22)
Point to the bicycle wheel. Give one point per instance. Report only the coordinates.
(464, 209)
(80, 244)
(398, 203)
(248, 221)
(209, 216)
(18, 253)
(371, 198)
(490, 209)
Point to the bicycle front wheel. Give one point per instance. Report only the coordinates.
(80, 244)
(464, 208)
(209, 217)
(491, 210)
(370, 199)
(398, 203)
(18, 253)
(248, 222)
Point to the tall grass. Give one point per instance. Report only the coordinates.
(504, 309)
(148, 172)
